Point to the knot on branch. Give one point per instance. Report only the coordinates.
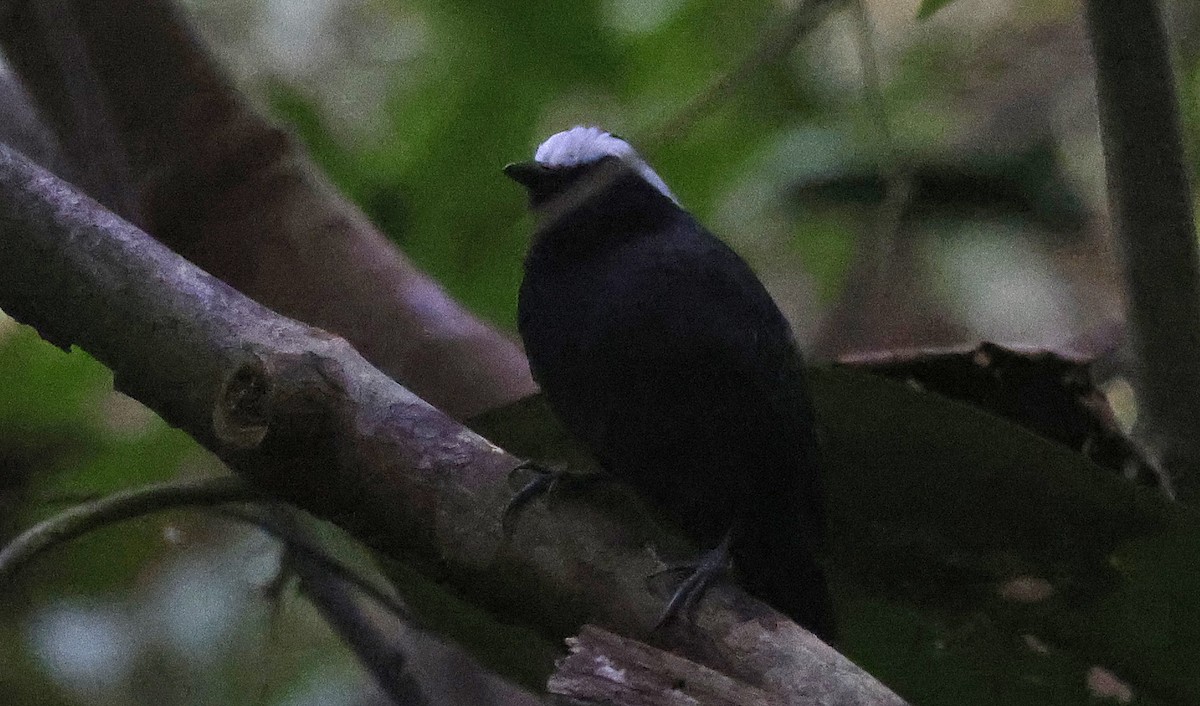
(281, 413)
(240, 415)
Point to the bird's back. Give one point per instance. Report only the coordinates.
(668, 358)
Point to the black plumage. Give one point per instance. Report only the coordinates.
(660, 349)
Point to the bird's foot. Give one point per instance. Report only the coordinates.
(546, 479)
(711, 565)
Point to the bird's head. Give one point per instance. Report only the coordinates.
(584, 165)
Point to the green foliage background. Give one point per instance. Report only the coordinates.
(501, 76)
(413, 108)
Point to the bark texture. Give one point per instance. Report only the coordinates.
(303, 416)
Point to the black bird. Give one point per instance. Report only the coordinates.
(659, 348)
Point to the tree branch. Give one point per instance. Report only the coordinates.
(389, 641)
(301, 415)
(279, 522)
(327, 584)
(383, 657)
(236, 195)
(607, 669)
(1150, 200)
(117, 507)
(389, 309)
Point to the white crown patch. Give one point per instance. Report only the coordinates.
(584, 145)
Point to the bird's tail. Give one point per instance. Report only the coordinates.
(778, 566)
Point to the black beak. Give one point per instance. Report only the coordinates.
(527, 174)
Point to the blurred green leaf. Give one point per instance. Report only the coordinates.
(827, 246)
(935, 506)
(496, 79)
(73, 437)
(940, 513)
(42, 385)
(928, 7)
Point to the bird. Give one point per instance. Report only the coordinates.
(659, 348)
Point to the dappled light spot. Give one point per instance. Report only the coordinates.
(126, 417)
(1026, 589)
(1103, 684)
(1034, 643)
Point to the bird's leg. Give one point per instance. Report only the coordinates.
(712, 564)
(543, 480)
(546, 479)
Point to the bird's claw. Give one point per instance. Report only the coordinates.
(712, 564)
(544, 479)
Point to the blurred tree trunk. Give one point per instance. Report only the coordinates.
(155, 131)
(1150, 198)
